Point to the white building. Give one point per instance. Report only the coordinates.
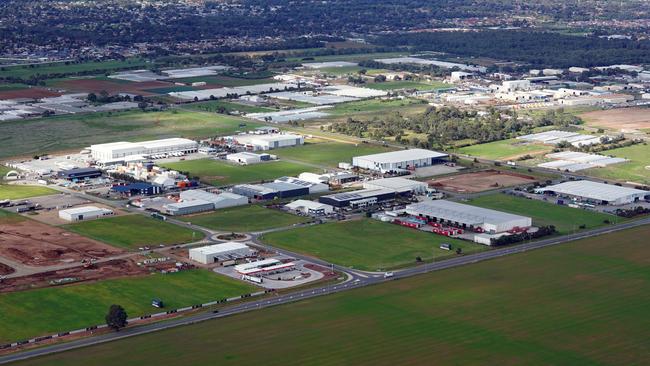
(115, 151)
(244, 158)
(218, 200)
(313, 187)
(398, 184)
(220, 252)
(269, 141)
(398, 160)
(587, 190)
(310, 207)
(84, 213)
(188, 207)
(513, 85)
(468, 216)
(457, 76)
(264, 267)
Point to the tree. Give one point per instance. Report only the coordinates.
(92, 97)
(116, 317)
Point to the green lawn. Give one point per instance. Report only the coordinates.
(565, 219)
(504, 149)
(366, 244)
(215, 105)
(26, 71)
(56, 309)
(221, 173)
(36, 136)
(372, 105)
(329, 153)
(636, 170)
(583, 303)
(404, 84)
(226, 81)
(170, 89)
(11, 87)
(15, 192)
(244, 219)
(134, 231)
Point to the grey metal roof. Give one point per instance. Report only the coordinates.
(458, 212)
(595, 190)
(402, 155)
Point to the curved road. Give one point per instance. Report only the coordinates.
(355, 280)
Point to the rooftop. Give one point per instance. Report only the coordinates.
(466, 214)
(219, 248)
(402, 155)
(594, 190)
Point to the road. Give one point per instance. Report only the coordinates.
(355, 280)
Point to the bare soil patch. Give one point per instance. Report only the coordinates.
(619, 119)
(480, 181)
(34, 93)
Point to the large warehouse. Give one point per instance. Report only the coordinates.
(115, 151)
(269, 191)
(356, 199)
(467, 216)
(220, 252)
(399, 184)
(586, 190)
(310, 207)
(398, 160)
(269, 141)
(218, 200)
(84, 213)
(188, 207)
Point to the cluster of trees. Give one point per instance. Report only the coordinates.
(632, 212)
(542, 231)
(446, 124)
(431, 70)
(105, 97)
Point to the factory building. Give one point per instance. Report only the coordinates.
(467, 216)
(135, 189)
(269, 191)
(313, 187)
(398, 160)
(84, 213)
(264, 267)
(80, 174)
(220, 252)
(268, 141)
(188, 207)
(356, 199)
(246, 158)
(398, 184)
(310, 207)
(116, 151)
(218, 200)
(599, 193)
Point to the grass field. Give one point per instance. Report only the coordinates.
(220, 173)
(372, 105)
(366, 244)
(226, 81)
(583, 303)
(10, 87)
(632, 171)
(170, 89)
(565, 219)
(49, 310)
(504, 149)
(391, 85)
(329, 153)
(244, 219)
(214, 105)
(26, 72)
(133, 231)
(15, 192)
(74, 132)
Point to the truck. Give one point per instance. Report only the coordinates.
(445, 246)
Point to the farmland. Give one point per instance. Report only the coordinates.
(244, 219)
(590, 308)
(215, 105)
(504, 149)
(35, 136)
(220, 173)
(26, 72)
(37, 312)
(226, 81)
(372, 105)
(635, 170)
(366, 244)
(328, 153)
(620, 119)
(565, 219)
(133, 231)
(14, 191)
(392, 85)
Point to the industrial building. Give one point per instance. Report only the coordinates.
(467, 216)
(117, 151)
(264, 267)
(135, 189)
(218, 200)
(246, 158)
(220, 252)
(84, 213)
(398, 160)
(188, 207)
(268, 191)
(268, 141)
(600, 193)
(80, 174)
(310, 207)
(356, 199)
(313, 187)
(398, 184)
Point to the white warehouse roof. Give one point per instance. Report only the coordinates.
(219, 248)
(83, 210)
(399, 184)
(596, 191)
(403, 155)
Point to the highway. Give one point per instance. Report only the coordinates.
(354, 280)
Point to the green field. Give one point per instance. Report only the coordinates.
(244, 219)
(74, 132)
(56, 309)
(170, 89)
(504, 149)
(329, 153)
(565, 219)
(134, 231)
(221, 173)
(372, 105)
(226, 81)
(636, 170)
(11, 87)
(215, 105)
(366, 244)
(583, 303)
(404, 84)
(26, 71)
(15, 192)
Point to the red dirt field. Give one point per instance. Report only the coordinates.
(112, 87)
(36, 244)
(34, 93)
(480, 181)
(619, 119)
(110, 269)
(5, 269)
